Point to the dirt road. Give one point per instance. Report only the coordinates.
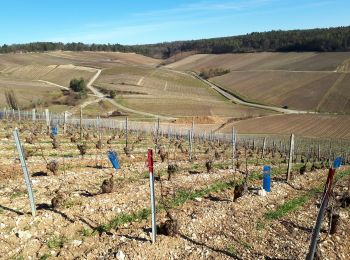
(246, 103)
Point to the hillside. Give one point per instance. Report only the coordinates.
(320, 126)
(304, 81)
(39, 78)
(141, 87)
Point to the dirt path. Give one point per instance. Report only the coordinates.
(101, 96)
(53, 84)
(246, 103)
(140, 81)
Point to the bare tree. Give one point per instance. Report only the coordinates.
(11, 99)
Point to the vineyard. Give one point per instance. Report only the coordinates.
(208, 195)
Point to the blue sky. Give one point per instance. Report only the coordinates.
(137, 22)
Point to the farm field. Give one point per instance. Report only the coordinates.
(290, 61)
(24, 91)
(319, 126)
(280, 79)
(139, 85)
(169, 92)
(87, 59)
(303, 81)
(77, 216)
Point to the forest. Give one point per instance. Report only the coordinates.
(319, 40)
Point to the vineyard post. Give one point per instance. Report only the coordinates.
(192, 129)
(153, 202)
(99, 127)
(318, 152)
(47, 117)
(81, 123)
(157, 135)
(190, 144)
(263, 148)
(290, 160)
(19, 115)
(25, 171)
(126, 132)
(33, 114)
(233, 147)
(324, 202)
(65, 122)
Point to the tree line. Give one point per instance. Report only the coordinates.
(319, 40)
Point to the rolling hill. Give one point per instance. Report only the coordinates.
(304, 81)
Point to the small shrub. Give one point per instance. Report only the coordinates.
(78, 85)
(112, 94)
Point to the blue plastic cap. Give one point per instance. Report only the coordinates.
(113, 157)
(267, 168)
(337, 162)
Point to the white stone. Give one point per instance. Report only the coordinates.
(198, 199)
(24, 234)
(120, 255)
(262, 193)
(77, 242)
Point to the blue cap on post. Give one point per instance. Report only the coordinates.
(337, 162)
(113, 157)
(267, 168)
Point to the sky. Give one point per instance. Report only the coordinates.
(140, 22)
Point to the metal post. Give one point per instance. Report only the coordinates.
(157, 135)
(47, 117)
(33, 114)
(263, 148)
(192, 130)
(290, 160)
(233, 147)
(324, 203)
(25, 171)
(81, 123)
(153, 202)
(190, 144)
(65, 122)
(126, 132)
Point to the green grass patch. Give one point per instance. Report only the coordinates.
(296, 203)
(55, 242)
(231, 249)
(181, 197)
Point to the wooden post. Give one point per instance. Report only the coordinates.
(290, 160)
